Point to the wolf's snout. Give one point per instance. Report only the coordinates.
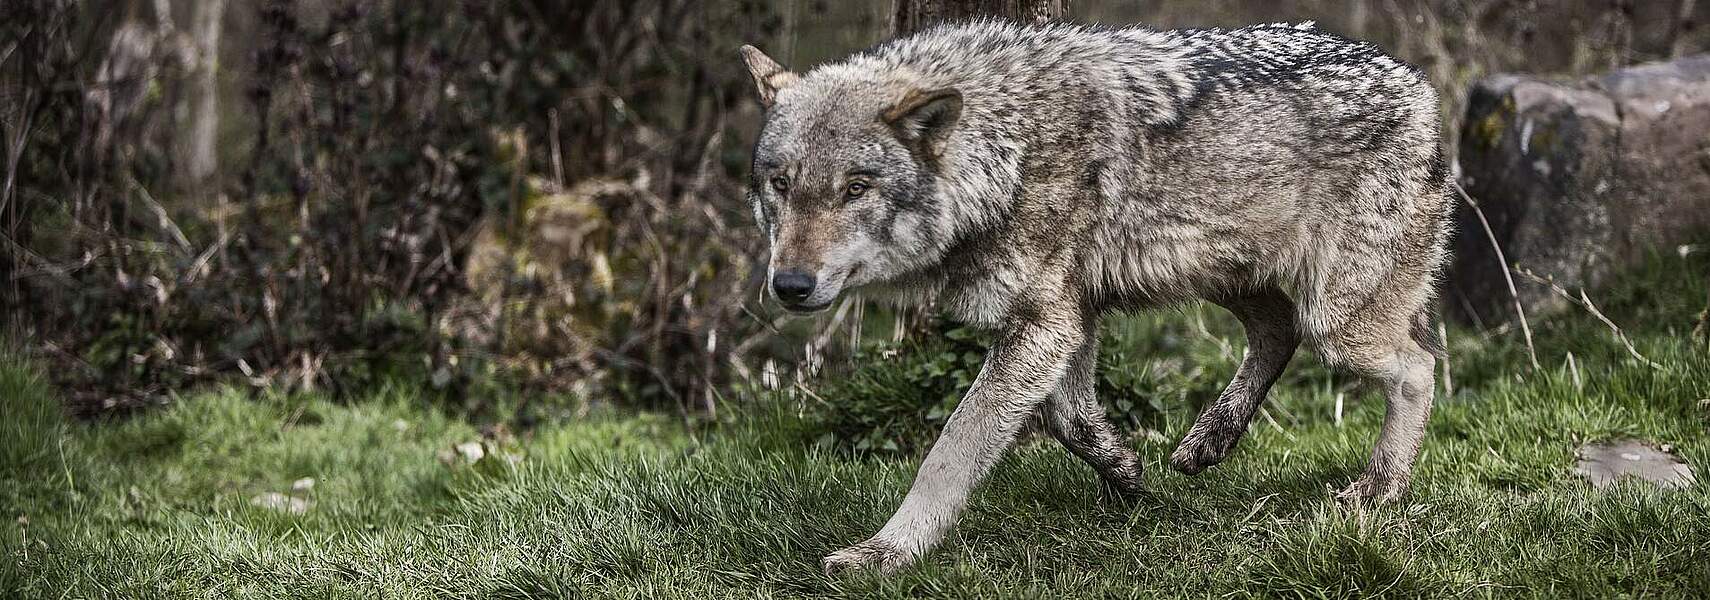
(792, 286)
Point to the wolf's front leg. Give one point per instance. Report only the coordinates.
(1022, 367)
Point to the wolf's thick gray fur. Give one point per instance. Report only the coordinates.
(1030, 179)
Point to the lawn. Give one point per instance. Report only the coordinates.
(642, 506)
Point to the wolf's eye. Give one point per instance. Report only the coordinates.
(855, 189)
(780, 183)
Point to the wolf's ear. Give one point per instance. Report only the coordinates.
(923, 118)
(769, 76)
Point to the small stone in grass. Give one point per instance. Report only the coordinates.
(1603, 464)
(281, 502)
(466, 453)
(471, 451)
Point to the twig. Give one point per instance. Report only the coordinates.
(855, 325)
(1525, 327)
(557, 152)
(1701, 330)
(1274, 424)
(1223, 347)
(1573, 369)
(164, 221)
(1584, 301)
(824, 338)
(1339, 396)
(42, 265)
(1448, 378)
(202, 259)
(804, 388)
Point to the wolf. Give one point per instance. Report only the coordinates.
(1031, 178)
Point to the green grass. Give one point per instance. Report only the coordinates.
(638, 506)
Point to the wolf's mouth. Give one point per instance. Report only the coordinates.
(806, 309)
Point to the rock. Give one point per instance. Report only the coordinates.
(1607, 463)
(472, 451)
(475, 452)
(282, 503)
(1578, 179)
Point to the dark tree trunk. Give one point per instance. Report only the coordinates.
(913, 15)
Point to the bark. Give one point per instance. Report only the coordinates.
(200, 159)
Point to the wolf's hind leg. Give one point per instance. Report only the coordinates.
(1269, 318)
(1074, 416)
(1404, 362)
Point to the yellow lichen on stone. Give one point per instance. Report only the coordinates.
(1543, 139)
(1489, 129)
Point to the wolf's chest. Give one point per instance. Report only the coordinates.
(983, 301)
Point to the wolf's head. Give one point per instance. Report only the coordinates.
(843, 177)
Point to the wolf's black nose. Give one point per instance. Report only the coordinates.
(792, 286)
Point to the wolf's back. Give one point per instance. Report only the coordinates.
(1158, 75)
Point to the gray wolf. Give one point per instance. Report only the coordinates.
(1032, 178)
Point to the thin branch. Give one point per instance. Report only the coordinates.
(1448, 378)
(1584, 301)
(1507, 276)
(163, 220)
(830, 329)
(1274, 424)
(197, 266)
(1223, 347)
(1573, 370)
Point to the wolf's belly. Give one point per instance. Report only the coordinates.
(1157, 271)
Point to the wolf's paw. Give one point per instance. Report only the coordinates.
(1122, 482)
(1121, 492)
(1370, 490)
(871, 554)
(1200, 450)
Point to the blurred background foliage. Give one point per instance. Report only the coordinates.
(534, 207)
(465, 193)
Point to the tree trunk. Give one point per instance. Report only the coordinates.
(199, 151)
(913, 15)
